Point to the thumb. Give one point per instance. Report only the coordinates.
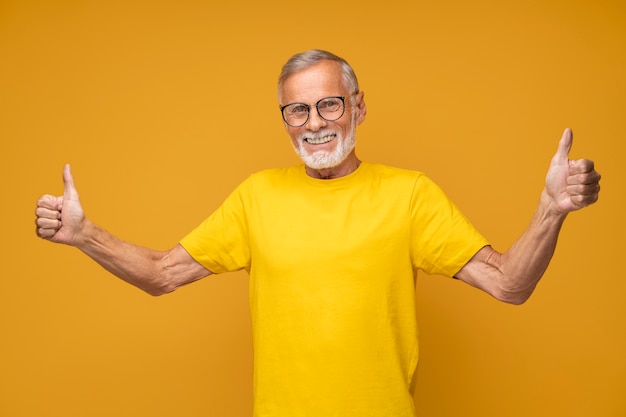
(70, 192)
(565, 144)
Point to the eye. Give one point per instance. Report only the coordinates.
(330, 104)
(297, 109)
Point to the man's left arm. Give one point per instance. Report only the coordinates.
(512, 276)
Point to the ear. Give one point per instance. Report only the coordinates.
(361, 108)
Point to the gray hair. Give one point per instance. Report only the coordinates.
(309, 58)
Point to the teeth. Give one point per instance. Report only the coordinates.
(319, 141)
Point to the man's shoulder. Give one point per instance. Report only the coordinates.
(391, 172)
(273, 174)
(273, 177)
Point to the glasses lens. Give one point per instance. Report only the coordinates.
(296, 114)
(330, 108)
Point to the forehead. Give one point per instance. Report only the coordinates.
(309, 85)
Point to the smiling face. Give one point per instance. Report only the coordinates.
(325, 147)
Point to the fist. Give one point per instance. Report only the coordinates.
(571, 184)
(60, 219)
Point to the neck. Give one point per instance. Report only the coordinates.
(347, 167)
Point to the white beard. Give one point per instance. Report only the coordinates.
(324, 159)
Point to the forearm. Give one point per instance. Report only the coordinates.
(512, 276)
(522, 266)
(142, 267)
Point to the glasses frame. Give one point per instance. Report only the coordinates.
(308, 108)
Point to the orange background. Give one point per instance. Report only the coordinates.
(163, 107)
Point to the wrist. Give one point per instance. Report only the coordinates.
(550, 207)
(83, 234)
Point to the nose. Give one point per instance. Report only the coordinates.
(315, 122)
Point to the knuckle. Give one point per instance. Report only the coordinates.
(46, 201)
(581, 166)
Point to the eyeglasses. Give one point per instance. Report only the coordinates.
(329, 109)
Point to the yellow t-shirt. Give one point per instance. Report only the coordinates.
(332, 268)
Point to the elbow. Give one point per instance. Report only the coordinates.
(515, 297)
(160, 287)
(161, 281)
(158, 291)
(514, 300)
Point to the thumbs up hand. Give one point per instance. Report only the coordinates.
(60, 219)
(571, 184)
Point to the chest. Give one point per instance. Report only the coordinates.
(330, 227)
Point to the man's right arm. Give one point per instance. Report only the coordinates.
(62, 220)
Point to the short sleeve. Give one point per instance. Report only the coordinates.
(442, 238)
(220, 243)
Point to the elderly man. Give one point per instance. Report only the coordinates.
(332, 248)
